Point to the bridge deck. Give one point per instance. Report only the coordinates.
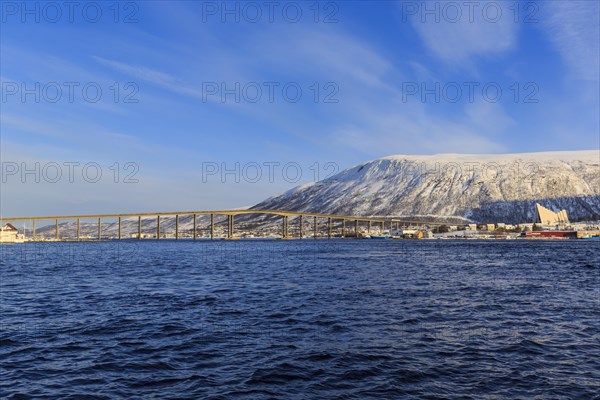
(281, 213)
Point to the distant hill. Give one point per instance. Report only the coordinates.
(478, 188)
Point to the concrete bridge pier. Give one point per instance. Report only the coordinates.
(284, 232)
(176, 227)
(56, 230)
(139, 227)
(315, 234)
(343, 228)
(231, 226)
(212, 226)
(195, 233)
(158, 227)
(301, 227)
(119, 228)
(99, 228)
(329, 228)
(355, 228)
(34, 237)
(78, 228)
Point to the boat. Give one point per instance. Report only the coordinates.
(590, 238)
(550, 235)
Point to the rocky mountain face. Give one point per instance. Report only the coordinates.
(477, 188)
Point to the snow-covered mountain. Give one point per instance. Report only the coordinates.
(480, 188)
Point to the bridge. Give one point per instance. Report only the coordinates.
(231, 214)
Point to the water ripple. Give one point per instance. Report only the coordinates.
(298, 320)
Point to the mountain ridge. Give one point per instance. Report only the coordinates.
(475, 187)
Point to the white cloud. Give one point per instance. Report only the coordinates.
(333, 54)
(574, 29)
(489, 117)
(401, 128)
(479, 31)
(145, 73)
(159, 78)
(370, 118)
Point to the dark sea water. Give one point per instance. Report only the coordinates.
(351, 319)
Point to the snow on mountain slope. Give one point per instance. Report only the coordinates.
(481, 188)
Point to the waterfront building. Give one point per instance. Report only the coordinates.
(549, 217)
(8, 234)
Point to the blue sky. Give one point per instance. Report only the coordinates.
(376, 79)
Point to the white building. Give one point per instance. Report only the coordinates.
(526, 226)
(9, 234)
(549, 217)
